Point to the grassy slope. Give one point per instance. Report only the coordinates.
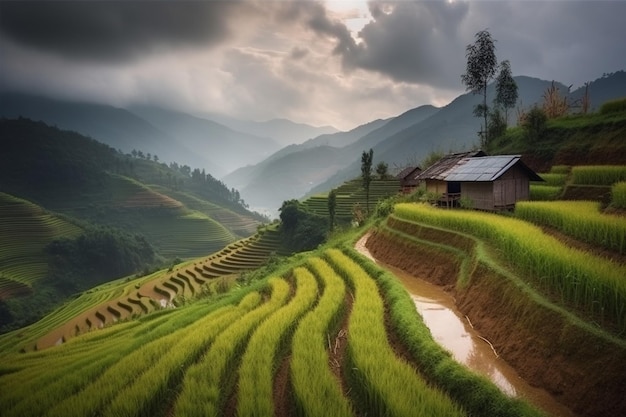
(573, 140)
(26, 229)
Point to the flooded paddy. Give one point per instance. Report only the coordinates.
(454, 331)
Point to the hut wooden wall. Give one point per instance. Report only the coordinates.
(502, 193)
(436, 186)
(511, 187)
(480, 193)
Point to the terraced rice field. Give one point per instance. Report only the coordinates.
(351, 193)
(235, 222)
(123, 300)
(312, 341)
(581, 220)
(25, 230)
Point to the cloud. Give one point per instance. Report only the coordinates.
(413, 42)
(108, 31)
(299, 59)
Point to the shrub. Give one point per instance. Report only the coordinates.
(614, 106)
(535, 124)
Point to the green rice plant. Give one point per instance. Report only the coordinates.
(598, 174)
(98, 394)
(384, 384)
(204, 385)
(139, 397)
(560, 169)
(260, 361)
(544, 192)
(311, 377)
(579, 219)
(593, 284)
(475, 393)
(555, 179)
(618, 195)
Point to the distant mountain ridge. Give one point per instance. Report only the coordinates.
(283, 131)
(250, 156)
(171, 135)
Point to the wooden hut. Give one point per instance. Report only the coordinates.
(485, 182)
(408, 179)
(434, 176)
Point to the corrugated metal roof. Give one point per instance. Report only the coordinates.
(484, 168)
(487, 168)
(440, 169)
(474, 166)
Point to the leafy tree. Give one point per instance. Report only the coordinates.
(382, 169)
(535, 124)
(481, 69)
(332, 207)
(496, 127)
(506, 89)
(289, 214)
(300, 230)
(366, 175)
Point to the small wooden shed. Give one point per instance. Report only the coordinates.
(486, 182)
(408, 179)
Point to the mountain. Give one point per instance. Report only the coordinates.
(183, 213)
(608, 87)
(294, 170)
(452, 128)
(225, 148)
(172, 136)
(283, 131)
(244, 177)
(116, 127)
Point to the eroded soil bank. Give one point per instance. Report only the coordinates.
(579, 370)
(455, 332)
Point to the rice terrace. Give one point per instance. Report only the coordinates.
(134, 287)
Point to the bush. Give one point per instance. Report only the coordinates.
(535, 124)
(614, 106)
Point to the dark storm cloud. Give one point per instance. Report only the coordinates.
(414, 42)
(114, 30)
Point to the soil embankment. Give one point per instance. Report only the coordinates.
(579, 369)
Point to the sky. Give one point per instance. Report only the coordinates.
(337, 62)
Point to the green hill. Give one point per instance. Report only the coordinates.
(592, 139)
(26, 230)
(63, 178)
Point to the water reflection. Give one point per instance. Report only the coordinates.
(452, 330)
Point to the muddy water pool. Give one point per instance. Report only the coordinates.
(454, 331)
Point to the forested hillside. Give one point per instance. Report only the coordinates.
(128, 214)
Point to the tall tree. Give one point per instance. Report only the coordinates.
(332, 207)
(366, 175)
(506, 89)
(481, 69)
